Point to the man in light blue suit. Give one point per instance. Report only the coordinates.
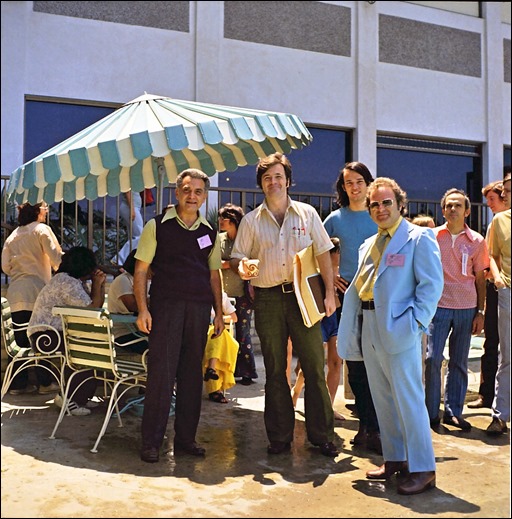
(387, 307)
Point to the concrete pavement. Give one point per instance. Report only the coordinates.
(62, 478)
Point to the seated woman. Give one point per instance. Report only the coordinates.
(220, 357)
(121, 300)
(68, 288)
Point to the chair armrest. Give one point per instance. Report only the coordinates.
(44, 340)
(144, 360)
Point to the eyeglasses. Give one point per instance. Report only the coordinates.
(388, 202)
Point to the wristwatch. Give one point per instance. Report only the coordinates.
(481, 312)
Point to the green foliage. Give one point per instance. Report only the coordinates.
(213, 217)
(74, 233)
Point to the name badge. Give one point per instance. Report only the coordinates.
(395, 260)
(204, 241)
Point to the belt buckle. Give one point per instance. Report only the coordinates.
(287, 288)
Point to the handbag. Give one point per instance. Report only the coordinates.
(309, 286)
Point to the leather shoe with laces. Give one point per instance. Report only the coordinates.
(149, 454)
(417, 482)
(457, 421)
(497, 426)
(189, 448)
(328, 449)
(276, 447)
(388, 469)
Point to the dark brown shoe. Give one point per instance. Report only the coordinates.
(276, 447)
(373, 442)
(496, 427)
(189, 448)
(149, 454)
(388, 469)
(328, 449)
(417, 482)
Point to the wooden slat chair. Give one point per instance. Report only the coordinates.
(89, 345)
(24, 358)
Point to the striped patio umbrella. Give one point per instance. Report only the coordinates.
(148, 142)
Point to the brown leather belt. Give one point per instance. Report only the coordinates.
(368, 305)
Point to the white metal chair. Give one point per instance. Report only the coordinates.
(228, 322)
(24, 358)
(89, 345)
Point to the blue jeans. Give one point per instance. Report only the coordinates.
(457, 325)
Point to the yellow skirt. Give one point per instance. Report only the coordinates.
(224, 348)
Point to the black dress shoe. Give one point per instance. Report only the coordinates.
(328, 449)
(149, 454)
(246, 381)
(457, 421)
(388, 469)
(276, 447)
(189, 448)
(360, 437)
(417, 482)
(435, 422)
(373, 442)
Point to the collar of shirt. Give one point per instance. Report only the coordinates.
(392, 229)
(172, 213)
(264, 207)
(467, 231)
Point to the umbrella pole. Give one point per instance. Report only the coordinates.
(160, 186)
(90, 224)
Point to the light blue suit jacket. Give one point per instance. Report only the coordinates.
(407, 289)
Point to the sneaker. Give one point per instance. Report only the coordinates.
(73, 407)
(497, 426)
(76, 410)
(91, 404)
(52, 388)
(24, 391)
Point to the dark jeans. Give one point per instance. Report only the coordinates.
(20, 381)
(489, 360)
(358, 380)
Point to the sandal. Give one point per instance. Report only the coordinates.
(218, 397)
(210, 374)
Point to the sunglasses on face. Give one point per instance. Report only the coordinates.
(388, 202)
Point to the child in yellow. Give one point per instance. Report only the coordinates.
(220, 356)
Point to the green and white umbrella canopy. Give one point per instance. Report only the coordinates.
(148, 142)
